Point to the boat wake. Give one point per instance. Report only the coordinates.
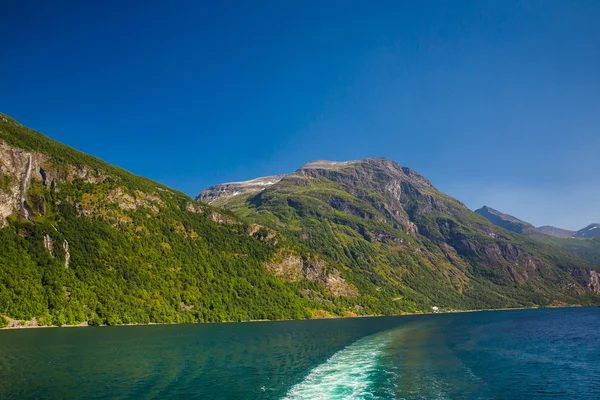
(351, 373)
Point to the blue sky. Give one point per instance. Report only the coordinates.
(497, 102)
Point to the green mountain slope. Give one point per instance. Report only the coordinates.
(586, 248)
(81, 240)
(402, 240)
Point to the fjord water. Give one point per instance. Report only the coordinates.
(533, 354)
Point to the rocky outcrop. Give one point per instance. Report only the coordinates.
(222, 219)
(589, 279)
(263, 234)
(126, 201)
(19, 169)
(292, 267)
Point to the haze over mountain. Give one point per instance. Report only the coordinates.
(577, 242)
(516, 225)
(556, 232)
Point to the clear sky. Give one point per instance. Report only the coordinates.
(497, 102)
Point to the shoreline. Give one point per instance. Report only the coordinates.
(86, 325)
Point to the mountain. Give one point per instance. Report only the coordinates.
(577, 243)
(82, 241)
(590, 231)
(506, 221)
(556, 232)
(399, 239)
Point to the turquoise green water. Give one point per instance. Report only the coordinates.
(531, 354)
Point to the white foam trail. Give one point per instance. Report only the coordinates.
(346, 375)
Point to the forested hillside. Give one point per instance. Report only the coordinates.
(82, 240)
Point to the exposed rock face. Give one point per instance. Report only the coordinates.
(263, 234)
(228, 190)
(196, 208)
(126, 201)
(293, 268)
(590, 279)
(17, 169)
(222, 219)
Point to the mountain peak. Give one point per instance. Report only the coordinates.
(590, 231)
(503, 220)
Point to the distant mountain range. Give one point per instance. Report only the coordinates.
(514, 224)
(577, 242)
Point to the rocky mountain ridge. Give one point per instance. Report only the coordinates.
(408, 229)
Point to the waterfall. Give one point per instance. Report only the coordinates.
(49, 244)
(25, 187)
(67, 254)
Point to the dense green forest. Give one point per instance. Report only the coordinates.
(139, 252)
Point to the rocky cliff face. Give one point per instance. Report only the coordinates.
(21, 169)
(18, 168)
(293, 267)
